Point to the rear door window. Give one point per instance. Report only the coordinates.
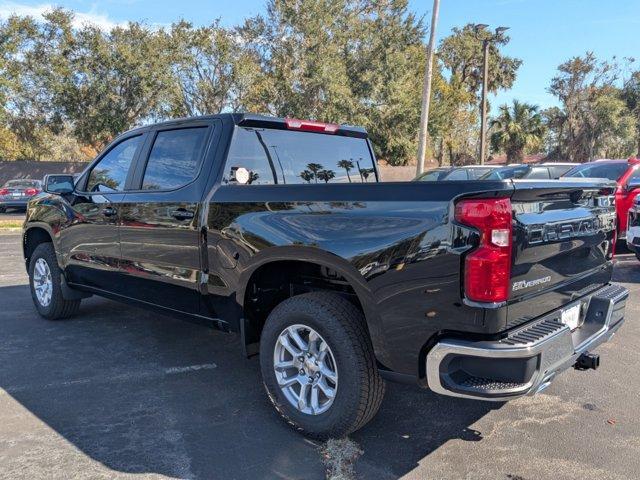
(459, 174)
(286, 157)
(476, 173)
(539, 173)
(174, 159)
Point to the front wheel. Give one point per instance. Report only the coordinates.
(318, 365)
(45, 279)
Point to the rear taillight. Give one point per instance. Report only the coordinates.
(311, 126)
(4, 191)
(30, 192)
(487, 269)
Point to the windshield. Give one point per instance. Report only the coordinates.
(505, 173)
(432, 175)
(609, 170)
(22, 184)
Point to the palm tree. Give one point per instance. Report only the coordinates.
(365, 172)
(347, 165)
(326, 175)
(307, 176)
(315, 168)
(516, 129)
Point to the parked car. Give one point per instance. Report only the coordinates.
(467, 172)
(258, 225)
(626, 173)
(544, 171)
(16, 193)
(433, 174)
(557, 169)
(633, 228)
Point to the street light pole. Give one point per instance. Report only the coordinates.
(426, 91)
(483, 120)
(486, 42)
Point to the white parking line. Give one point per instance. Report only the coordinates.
(122, 377)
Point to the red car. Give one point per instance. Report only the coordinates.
(625, 172)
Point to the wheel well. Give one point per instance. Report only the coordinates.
(274, 282)
(32, 238)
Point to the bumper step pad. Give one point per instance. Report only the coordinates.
(529, 357)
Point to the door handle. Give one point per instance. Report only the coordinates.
(182, 214)
(109, 211)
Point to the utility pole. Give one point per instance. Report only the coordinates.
(426, 90)
(486, 42)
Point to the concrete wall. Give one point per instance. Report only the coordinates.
(396, 174)
(36, 170)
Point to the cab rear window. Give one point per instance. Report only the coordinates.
(286, 157)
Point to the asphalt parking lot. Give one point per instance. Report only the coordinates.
(118, 392)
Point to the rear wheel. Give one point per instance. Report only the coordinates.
(45, 279)
(3, 209)
(318, 365)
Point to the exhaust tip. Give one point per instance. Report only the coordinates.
(587, 361)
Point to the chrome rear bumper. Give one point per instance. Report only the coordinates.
(529, 357)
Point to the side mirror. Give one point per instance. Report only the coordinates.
(632, 184)
(59, 184)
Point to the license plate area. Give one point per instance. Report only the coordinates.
(571, 316)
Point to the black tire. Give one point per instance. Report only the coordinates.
(3, 209)
(637, 255)
(360, 389)
(59, 307)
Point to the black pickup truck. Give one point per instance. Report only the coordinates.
(280, 230)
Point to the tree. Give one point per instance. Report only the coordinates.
(314, 168)
(213, 70)
(631, 96)
(455, 116)
(343, 61)
(348, 166)
(307, 176)
(517, 129)
(554, 119)
(10, 148)
(326, 175)
(119, 79)
(30, 78)
(596, 121)
(461, 54)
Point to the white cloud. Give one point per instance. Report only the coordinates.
(91, 17)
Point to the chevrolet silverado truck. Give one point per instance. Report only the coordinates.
(281, 231)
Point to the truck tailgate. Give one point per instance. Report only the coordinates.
(564, 236)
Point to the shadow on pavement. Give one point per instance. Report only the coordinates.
(140, 393)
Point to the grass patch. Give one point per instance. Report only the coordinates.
(10, 224)
(339, 458)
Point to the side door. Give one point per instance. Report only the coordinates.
(160, 234)
(626, 193)
(91, 243)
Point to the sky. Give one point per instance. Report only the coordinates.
(544, 33)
